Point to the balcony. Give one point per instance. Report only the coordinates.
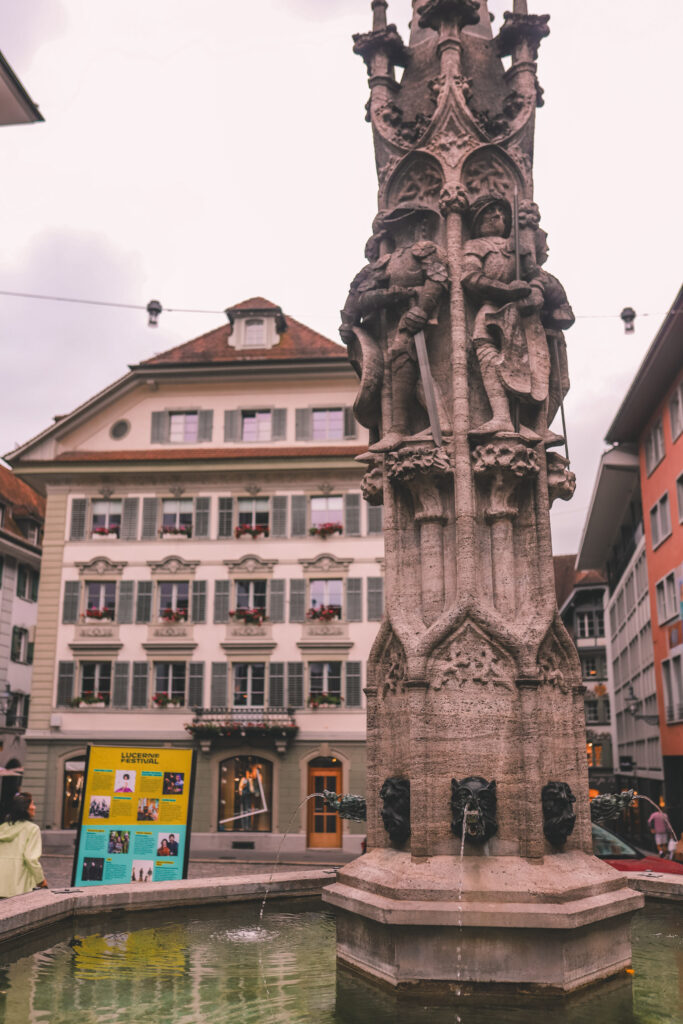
(221, 727)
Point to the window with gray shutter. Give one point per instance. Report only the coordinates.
(205, 425)
(150, 513)
(219, 684)
(195, 695)
(303, 425)
(375, 518)
(221, 601)
(126, 598)
(71, 600)
(119, 697)
(65, 683)
(353, 688)
(129, 521)
(79, 512)
(295, 684)
(279, 516)
(352, 514)
(375, 598)
(143, 610)
(350, 428)
(202, 511)
(297, 597)
(276, 609)
(140, 676)
(298, 524)
(225, 517)
(279, 425)
(276, 684)
(354, 600)
(161, 424)
(199, 600)
(232, 425)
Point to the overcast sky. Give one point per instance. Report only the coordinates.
(201, 153)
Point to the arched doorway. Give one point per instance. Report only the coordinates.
(324, 825)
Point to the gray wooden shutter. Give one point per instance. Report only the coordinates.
(143, 611)
(303, 425)
(205, 425)
(195, 695)
(276, 610)
(72, 590)
(219, 684)
(65, 683)
(225, 517)
(279, 516)
(297, 596)
(119, 697)
(375, 518)
(352, 514)
(140, 679)
(202, 511)
(298, 523)
(231, 425)
(129, 521)
(279, 421)
(125, 609)
(350, 428)
(354, 600)
(353, 698)
(295, 684)
(221, 601)
(79, 511)
(199, 600)
(375, 598)
(276, 684)
(161, 424)
(150, 513)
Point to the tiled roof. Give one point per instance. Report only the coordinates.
(244, 452)
(256, 303)
(567, 577)
(21, 502)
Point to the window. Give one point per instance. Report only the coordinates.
(256, 425)
(591, 711)
(251, 594)
(249, 685)
(676, 411)
(327, 424)
(253, 512)
(100, 601)
(27, 583)
(106, 517)
(255, 333)
(183, 426)
(679, 493)
(30, 530)
(325, 677)
(654, 447)
(169, 682)
(96, 681)
(245, 795)
(174, 601)
(176, 516)
(590, 623)
(665, 592)
(327, 510)
(594, 754)
(660, 520)
(326, 599)
(2, 514)
(22, 649)
(592, 667)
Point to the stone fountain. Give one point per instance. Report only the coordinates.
(476, 733)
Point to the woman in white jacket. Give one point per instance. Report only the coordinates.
(20, 849)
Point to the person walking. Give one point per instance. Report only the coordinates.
(660, 827)
(20, 849)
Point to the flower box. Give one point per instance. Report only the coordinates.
(325, 613)
(250, 616)
(251, 531)
(89, 700)
(162, 700)
(176, 532)
(209, 730)
(105, 533)
(316, 700)
(173, 616)
(100, 614)
(326, 530)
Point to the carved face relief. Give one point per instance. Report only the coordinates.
(558, 812)
(473, 805)
(395, 813)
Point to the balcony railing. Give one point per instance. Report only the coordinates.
(221, 726)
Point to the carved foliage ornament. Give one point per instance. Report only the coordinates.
(172, 565)
(471, 658)
(419, 182)
(435, 13)
(101, 566)
(487, 173)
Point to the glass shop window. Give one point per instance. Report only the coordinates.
(245, 788)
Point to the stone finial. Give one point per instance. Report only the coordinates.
(385, 41)
(435, 13)
(522, 28)
(379, 15)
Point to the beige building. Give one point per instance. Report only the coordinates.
(211, 576)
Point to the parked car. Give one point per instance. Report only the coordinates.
(621, 855)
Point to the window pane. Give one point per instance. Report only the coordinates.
(327, 424)
(241, 687)
(256, 426)
(254, 333)
(317, 676)
(326, 510)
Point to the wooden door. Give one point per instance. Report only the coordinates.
(324, 825)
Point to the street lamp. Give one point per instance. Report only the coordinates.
(633, 705)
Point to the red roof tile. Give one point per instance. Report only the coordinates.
(255, 303)
(244, 452)
(567, 577)
(21, 502)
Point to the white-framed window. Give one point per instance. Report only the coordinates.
(327, 509)
(176, 516)
(174, 600)
(591, 707)
(660, 520)
(590, 623)
(27, 582)
(665, 594)
(672, 678)
(100, 600)
(183, 426)
(325, 599)
(325, 677)
(257, 425)
(169, 681)
(676, 412)
(592, 666)
(250, 594)
(654, 447)
(21, 650)
(253, 512)
(327, 424)
(106, 516)
(249, 684)
(255, 333)
(95, 680)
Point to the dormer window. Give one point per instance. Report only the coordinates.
(255, 333)
(256, 324)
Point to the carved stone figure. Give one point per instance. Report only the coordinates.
(558, 812)
(349, 806)
(473, 805)
(608, 806)
(395, 813)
